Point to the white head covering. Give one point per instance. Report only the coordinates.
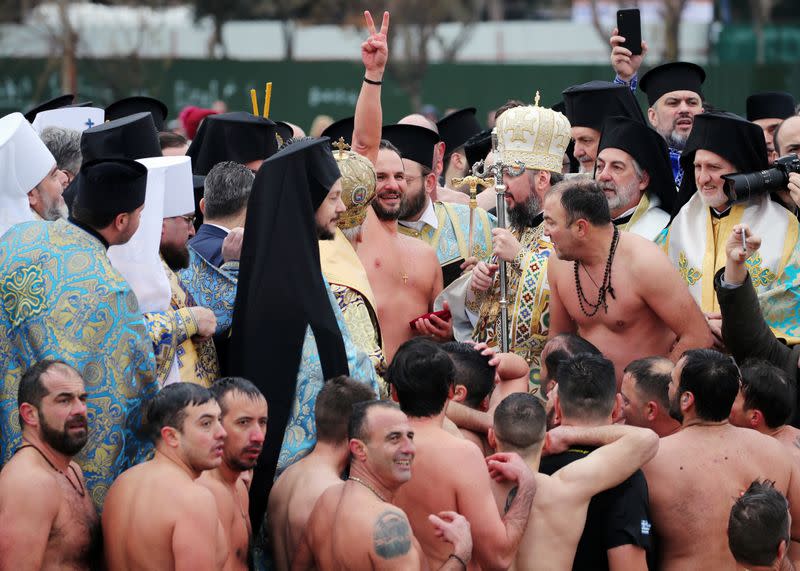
(24, 163)
(179, 193)
(78, 118)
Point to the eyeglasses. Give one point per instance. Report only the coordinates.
(189, 219)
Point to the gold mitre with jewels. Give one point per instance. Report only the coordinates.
(358, 184)
(536, 136)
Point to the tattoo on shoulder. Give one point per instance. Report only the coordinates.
(510, 499)
(391, 536)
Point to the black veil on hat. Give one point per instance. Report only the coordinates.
(138, 104)
(342, 128)
(648, 148)
(239, 136)
(456, 127)
(728, 135)
(673, 76)
(770, 105)
(64, 100)
(588, 104)
(478, 146)
(415, 143)
(281, 291)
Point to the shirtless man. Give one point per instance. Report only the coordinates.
(297, 490)
(764, 403)
(244, 418)
(645, 395)
(700, 471)
(615, 289)
(421, 378)
(156, 515)
(559, 508)
(381, 445)
(49, 522)
(404, 272)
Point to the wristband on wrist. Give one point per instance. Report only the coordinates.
(457, 558)
(372, 82)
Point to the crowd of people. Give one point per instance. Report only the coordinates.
(566, 341)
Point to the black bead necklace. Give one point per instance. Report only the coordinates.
(604, 288)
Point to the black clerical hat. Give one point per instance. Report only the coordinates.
(342, 128)
(673, 76)
(648, 149)
(55, 103)
(111, 186)
(138, 104)
(132, 137)
(240, 137)
(284, 131)
(588, 104)
(732, 137)
(478, 146)
(415, 143)
(322, 170)
(457, 127)
(770, 105)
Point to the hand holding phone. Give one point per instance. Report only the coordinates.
(443, 315)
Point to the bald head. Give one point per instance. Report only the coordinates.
(419, 121)
(787, 137)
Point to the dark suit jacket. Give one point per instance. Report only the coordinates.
(747, 334)
(208, 243)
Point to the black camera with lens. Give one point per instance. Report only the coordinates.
(739, 187)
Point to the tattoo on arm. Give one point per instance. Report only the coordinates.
(391, 535)
(510, 499)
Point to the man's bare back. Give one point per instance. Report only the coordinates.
(156, 511)
(436, 486)
(350, 528)
(649, 308)
(39, 505)
(695, 479)
(405, 277)
(291, 502)
(233, 506)
(789, 436)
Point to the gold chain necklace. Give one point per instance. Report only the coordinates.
(366, 485)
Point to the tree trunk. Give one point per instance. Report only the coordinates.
(673, 9)
(288, 39)
(69, 43)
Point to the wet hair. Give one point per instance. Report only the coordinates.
(225, 385)
(472, 370)
(583, 198)
(334, 407)
(566, 345)
(651, 382)
(713, 379)
(759, 521)
(31, 388)
(168, 407)
(227, 188)
(422, 374)
(520, 421)
(385, 144)
(587, 387)
(357, 427)
(766, 387)
(171, 140)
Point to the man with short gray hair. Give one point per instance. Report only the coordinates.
(224, 208)
(65, 146)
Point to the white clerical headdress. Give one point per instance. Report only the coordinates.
(179, 193)
(78, 118)
(24, 163)
(534, 135)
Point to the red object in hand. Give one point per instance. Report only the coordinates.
(443, 314)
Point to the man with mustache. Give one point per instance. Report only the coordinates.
(634, 173)
(49, 519)
(156, 514)
(244, 418)
(721, 144)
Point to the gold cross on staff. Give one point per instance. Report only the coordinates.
(342, 146)
(473, 182)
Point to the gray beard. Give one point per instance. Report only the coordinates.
(523, 215)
